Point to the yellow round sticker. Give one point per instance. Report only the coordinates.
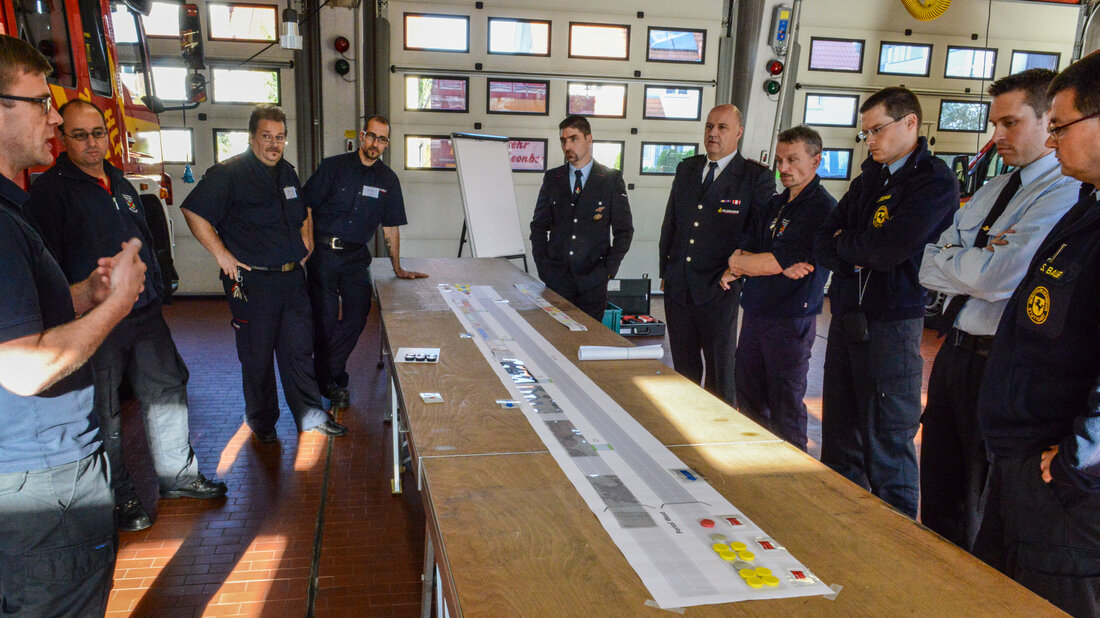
(1038, 305)
(882, 215)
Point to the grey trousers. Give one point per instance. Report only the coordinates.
(57, 540)
(140, 349)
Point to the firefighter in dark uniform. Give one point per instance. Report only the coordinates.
(57, 531)
(582, 227)
(350, 196)
(84, 208)
(712, 201)
(1039, 407)
(783, 291)
(873, 243)
(247, 211)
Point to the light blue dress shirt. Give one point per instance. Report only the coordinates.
(587, 169)
(953, 265)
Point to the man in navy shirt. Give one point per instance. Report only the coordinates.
(84, 207)
(873, 242)
(57, 533)
(783, 291)
(1039, 406)
(247, 212)
(350, 196)
(712, 200)
(581, 206)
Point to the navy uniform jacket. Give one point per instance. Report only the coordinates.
(579, 242)
(350, 200)
(786, 230)
(258, 217)
(57, 426)
(885, 229)
(1042, 380)
(80, 222)
(701, 231)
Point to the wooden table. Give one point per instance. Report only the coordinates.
(511, 536)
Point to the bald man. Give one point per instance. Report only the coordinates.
(713, 198)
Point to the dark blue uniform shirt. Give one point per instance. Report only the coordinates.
(1042, 380)
(786, 230)
(80, 222)
(350, 200)
(57, 426)
(258, 213)
(885, 228)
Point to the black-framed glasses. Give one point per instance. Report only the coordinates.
(46, 102)
(1056, 132)
(80, 136)
(381, 139)
(866, 133)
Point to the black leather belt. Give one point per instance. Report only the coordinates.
(331, 242)
(282, 268)
(978, 344)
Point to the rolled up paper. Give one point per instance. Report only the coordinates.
(602, 352)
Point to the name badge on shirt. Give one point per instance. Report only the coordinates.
(370, 191)
(290, 193)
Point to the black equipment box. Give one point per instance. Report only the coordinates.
(632, 295)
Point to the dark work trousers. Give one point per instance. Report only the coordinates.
(1046, 536)
(276, 320)
(57, 540)
(592, 301)
(773, 357)
(709, 329)
(953, 463)
(871, 409)
(338, 276)
(140, 350)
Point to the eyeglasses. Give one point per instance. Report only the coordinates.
(863, 135)
(46, 102)
(1056, 133)
(272, 139)
(381, 139)
(80, 136)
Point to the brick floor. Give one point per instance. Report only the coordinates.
(252, 553)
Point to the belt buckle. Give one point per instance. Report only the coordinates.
(289, 266)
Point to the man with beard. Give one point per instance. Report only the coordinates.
(84, 208)
(580, 207)
(350, 196)
(248, 213)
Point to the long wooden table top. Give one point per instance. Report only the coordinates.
(515, 538)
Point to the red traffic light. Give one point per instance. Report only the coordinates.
(775, 67)
(341, 44)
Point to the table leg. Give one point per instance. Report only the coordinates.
(428, 576)
(395, 431)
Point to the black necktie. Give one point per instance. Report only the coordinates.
(711, 171)
(885, 175)
(577, 185)
(947, 320)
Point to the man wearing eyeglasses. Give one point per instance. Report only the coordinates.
(57, 532)
(84, 208)
(1039, 407)
(350, 196)
(248, 212)
(978, 261)
(873, 242)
